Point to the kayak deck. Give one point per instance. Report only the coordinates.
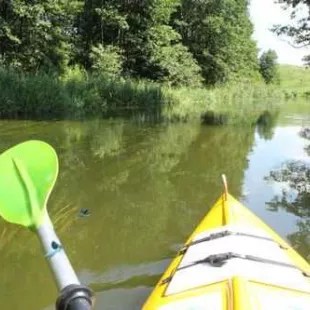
(233, 261)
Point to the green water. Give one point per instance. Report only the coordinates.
(147, 185)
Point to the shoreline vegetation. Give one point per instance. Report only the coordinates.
(182, 59)
(79, 94)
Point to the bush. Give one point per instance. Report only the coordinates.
(106, 60)
(268, 67)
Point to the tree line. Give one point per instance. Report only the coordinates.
(182, 42)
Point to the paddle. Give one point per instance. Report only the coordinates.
(28, 172)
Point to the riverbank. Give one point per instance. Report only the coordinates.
(79, 94)
(229, 104)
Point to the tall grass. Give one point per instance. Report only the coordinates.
(228, 104)
(31, 96)
(78, 94)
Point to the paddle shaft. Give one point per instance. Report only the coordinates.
(73, 296)
(56, 256)
(28, 174)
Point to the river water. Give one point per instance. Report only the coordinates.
(146, 186)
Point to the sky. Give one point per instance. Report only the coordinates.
(264, 14)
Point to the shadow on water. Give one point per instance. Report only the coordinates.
(294, 178)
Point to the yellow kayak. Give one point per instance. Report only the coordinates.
(233, 261)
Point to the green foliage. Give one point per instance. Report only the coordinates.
(174, 42)
(295, 81)
(218, 34)
(103, 55)
(268, 67)
(167, 59)
(31, 96)
(79, 94)
(230, 104)
(106, 60)
(75, 94)
(172, 62)
(37, 35)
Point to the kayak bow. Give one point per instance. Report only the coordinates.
(233, 261)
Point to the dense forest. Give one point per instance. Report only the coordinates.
(183, 42)
(80, 58)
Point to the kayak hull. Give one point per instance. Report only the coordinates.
(233, 260)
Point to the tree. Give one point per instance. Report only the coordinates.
(169, 60)
(37, 34)
(178, 42)
(100, 22)
(218, 34)
(152, 49)
(268, 66)
(300, 31)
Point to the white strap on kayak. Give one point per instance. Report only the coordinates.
(223, 234)
(219, 260)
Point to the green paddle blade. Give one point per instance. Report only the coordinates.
(28, 172)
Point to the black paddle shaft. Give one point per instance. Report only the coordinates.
(75, 297)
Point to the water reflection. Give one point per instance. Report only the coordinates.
(266, 124)
(146, 187)
(294, 177)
